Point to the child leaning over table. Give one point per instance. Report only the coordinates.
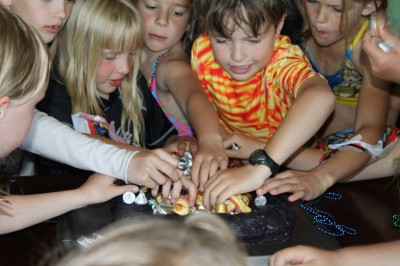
(96, 67)
(262, 87)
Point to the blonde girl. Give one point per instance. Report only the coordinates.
(96, 67)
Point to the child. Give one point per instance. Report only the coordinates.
(370, 119)
(201, 239)
(97, 60)
(378, 254)
(262, 87)
(166, 66)
(47, 137)
(23, 81)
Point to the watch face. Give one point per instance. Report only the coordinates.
(257, 156)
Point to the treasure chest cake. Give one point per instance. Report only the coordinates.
(269, 223)
(255, 220)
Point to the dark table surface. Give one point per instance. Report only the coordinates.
(367, 206)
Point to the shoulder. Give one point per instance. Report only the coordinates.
(283, 48)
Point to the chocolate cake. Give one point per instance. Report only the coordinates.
(264, 224)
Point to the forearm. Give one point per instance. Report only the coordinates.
(204, 119)
(378, 254)
(27, 210)
(304, 118)
(56, 141)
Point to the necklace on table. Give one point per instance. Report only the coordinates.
(324, 221)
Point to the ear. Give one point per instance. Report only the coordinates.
(280, 26)
(4, 101)
(6, 3)
(370, 7)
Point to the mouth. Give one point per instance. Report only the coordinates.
(157, 37)
(115, 82)
(239, 69)
(54, 28)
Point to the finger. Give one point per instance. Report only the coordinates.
(192, 189)
(167, 169)
(223, 164)
(195, 170)
(296, 196)
(193, 148)
(285, 188)
(154, 191)
(182, 146)
(119, 190)
(166, 188)
(176, 190)
(203, 175)
(215, 194)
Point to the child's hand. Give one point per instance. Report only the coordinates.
(172, 190)
(246, 145)
(181, 144)
(152, 168)
(208, 160)
(303, 255)
(230, 182)
(100, 188)
(302, 185)
(384, 64)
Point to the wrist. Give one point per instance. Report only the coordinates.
(261, 158)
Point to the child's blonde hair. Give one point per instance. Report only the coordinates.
(247, 15)
(24, 58)
(93, 26)
(203, 239)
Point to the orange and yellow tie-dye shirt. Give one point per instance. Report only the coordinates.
(255, 107)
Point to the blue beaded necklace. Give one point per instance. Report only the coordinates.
(324, 221)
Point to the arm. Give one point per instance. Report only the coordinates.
(378, 254)
(313, 94)
(370, 121)
(193, 101)
(26, 210)
(54, 140)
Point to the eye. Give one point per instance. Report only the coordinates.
(71, 1)
(221, 40)
(150, 7)
(109, 55)
(254, 41)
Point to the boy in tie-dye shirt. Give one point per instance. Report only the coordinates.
(268, 98)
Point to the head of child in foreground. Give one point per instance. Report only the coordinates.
(243, 33)
(46, 17)
(202, 239)
(98, 53)
(24, 74)
(166, 23)
(332, 20)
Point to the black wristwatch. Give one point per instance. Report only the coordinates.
(260, 156)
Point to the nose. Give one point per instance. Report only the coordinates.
(123, 65)
(59, 9)
(162, 19)
(237, 53)
(321, 15)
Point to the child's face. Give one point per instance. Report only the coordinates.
(165, 22)
(112, 70)
(46, 16)
(324, 18)
(16, 120)
(243, 55)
